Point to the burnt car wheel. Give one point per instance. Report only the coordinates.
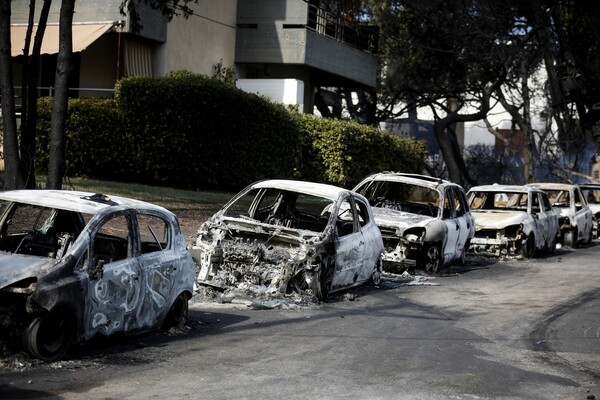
(463, 257)
(376, 277)
(433, 259)
(321, 285)
(570, 238)
(528, 247)
(49, 337)
(552, 246)
(178, 313)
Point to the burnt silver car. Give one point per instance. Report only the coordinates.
(290, 237)
(74, 265)
(425, 221)
(512, 221)
(591, 192)
(575, 218)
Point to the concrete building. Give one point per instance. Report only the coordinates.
(260, 39)
(106, 47)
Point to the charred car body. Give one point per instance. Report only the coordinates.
(575, 218)
(591, 192)
(290, 237)
(515, 221)
(74, 265)
(425, 222)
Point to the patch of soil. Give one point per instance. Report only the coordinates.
(191, 219)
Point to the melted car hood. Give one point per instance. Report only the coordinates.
(498, 219)
(398, 219)
(15, 267)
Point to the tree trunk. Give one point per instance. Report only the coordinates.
(439, 127)
(56, 165)
(30, 96)
(523, 121)
(13, 178)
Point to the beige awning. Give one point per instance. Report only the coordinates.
(83, 36)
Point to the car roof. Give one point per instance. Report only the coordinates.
(424, 180)
(505, 188)
(84, 202)
(315, 189)
(552, 185)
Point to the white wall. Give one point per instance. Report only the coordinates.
(286, 91)
(201, 41)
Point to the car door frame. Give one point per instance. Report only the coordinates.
(159, 272)
(541, 219)
(351, 245)
(101, 314)
(452, 225)
(582, 214)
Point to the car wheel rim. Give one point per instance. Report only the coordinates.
(376, 277)
(432, 260)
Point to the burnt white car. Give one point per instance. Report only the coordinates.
(575, 218)
(425, 221)
(290, 237)
(512, 221)
(591, 192)
(74, 265)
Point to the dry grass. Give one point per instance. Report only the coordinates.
(191, 207)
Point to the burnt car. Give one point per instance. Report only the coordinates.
(290, 237)
(74, 265)
(512, 221)
(591, 192)
(425, 221)
(575, 219)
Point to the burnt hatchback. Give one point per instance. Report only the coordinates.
(74, 265)
(425, 221)
(285, 237)
(512, 221)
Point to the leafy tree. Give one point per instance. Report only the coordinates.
(459, 57)
(448, 56)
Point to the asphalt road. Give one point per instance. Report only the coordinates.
(490, 330)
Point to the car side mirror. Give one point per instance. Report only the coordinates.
(97, 271)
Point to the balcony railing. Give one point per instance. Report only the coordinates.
(362, 37)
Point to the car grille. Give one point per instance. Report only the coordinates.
(486, 233)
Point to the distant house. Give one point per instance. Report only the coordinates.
(261, 39)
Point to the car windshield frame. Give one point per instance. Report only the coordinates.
(500, 200)
(280, 207)
(403, 196)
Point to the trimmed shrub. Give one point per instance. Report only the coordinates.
(190, 131)
(97, 146)
(344, 152)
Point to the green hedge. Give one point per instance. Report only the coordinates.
(192, 131)
(344, 152)
(97, 144)
(189, 131)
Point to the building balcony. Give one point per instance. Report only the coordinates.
(294, 33)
